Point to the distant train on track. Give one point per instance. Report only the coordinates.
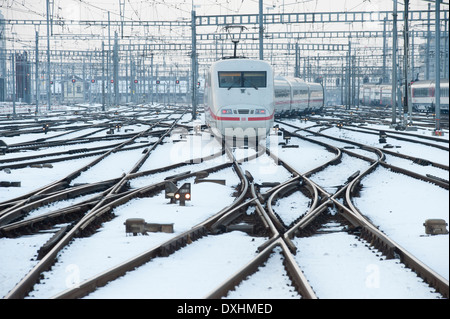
(242, 97)
(422, 95)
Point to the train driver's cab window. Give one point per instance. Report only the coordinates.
(247, 79)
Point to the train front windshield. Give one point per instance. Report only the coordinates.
(246, 79)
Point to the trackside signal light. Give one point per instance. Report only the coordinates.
(183, 193)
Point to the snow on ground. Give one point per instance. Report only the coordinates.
(190, 148)
(407, 148)
(195, 271)
(270, 282)
(338, 266)
(306, 157)
(56, 149)
(111, 246)
(396, 203)
(400, 205)
(33, 178)
(18, 256)
(122, 162)
(335, 176)
(291, 207)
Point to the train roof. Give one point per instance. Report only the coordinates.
(291, 80)
(429, 82)
(231, 64)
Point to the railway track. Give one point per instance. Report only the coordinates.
(382, 115)
(17, 208)
(370, 232)
(255, 210)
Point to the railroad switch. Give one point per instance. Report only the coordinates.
(200, 177)
(435, 227)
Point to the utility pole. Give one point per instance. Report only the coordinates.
(108, 82)
(437, 68)
(37, 72)
(349, 77)
(116, 70)
(394, 64)
(14, 76)
(103, 77)
(384, 52)
(406, 104)
(151, 75)
(427, 51)
(48, 59)
(194, 65)
(261, 31)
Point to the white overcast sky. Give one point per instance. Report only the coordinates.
(170, 10)
(173, 9)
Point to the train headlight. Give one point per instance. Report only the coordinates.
(260, 111)
(227, 111)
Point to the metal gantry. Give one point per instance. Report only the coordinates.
(164, 61)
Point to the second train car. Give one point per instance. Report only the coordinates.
(294, 96)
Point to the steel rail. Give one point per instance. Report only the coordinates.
(25, 285)
(294, 272)
(435, 181)
(379, 239)
(63, 182)
(371, 233)
(163, 249)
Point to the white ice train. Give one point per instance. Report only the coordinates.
(242, 97)
(239, 98)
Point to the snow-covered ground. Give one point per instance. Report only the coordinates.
(396, 203)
